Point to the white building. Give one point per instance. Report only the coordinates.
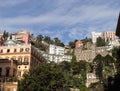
(57, 58)
(56, 54)
(56, 50)
(113, 44)
(95, 35)
(91, 78)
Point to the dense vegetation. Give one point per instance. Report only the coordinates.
(55, 77)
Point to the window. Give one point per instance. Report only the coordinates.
(8, 50)
(15, 50)
(20, 61)
(26, 61)
(0, 71)
(21, 49)
(1, 51)
(7, 71)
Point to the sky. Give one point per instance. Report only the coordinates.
(66, 19)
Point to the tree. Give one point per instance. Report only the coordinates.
(45, 77)
(100, 42)
(48, 40)
(115, 51)
(58, 42)
(98, 65)
(5, 35)
(40, 37)
(72, 44)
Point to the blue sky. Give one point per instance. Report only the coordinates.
(66, 19)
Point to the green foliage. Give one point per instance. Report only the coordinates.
(104, 67)
(57, 42)
(116, 55)
(55, 77)
(5, 35)
(73, 58)
(72, 43)
(115, 52)
(45, 77)
(86, 40)
(48, 40)
(96, 87)
(40, 37)
(100, 42)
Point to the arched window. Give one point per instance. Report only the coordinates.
(8, 50)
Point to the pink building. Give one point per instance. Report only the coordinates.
(23, 36)
(109, 35)
(78, 44)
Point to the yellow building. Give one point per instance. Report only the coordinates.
(8, 69)
(26, 55)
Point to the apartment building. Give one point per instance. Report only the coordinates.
(56, 50)
(95, 35)
(109, 36)
(26, 55)
(57, 54)
(23, 36)
(57, 58)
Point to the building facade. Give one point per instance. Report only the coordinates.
(95, 35)
(23, 36)
(8, 71)
(26, 56)
(109, 36)
(57, 58)
(57, 54)
(56, 50)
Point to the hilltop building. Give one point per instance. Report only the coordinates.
(109, 36)
(95, 35)
(57, 54)
(23, 36)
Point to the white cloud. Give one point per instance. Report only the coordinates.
(95, 16)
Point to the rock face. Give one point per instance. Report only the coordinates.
(90, 53)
